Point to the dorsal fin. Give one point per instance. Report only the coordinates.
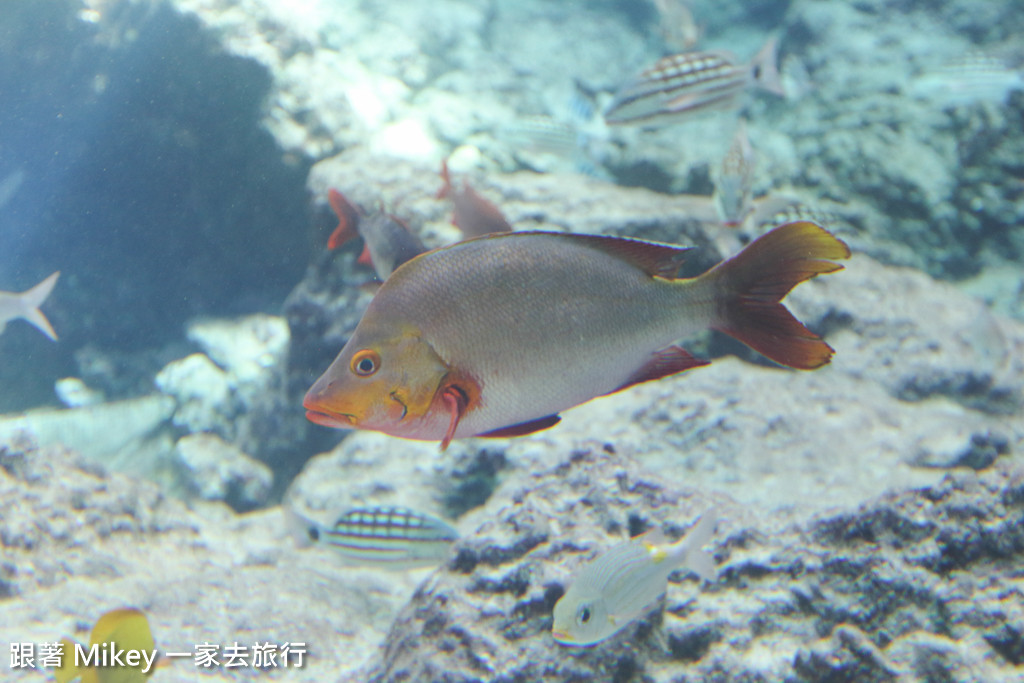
(654, 258)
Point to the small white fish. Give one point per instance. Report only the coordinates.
(734, 180)
(973, 78)
(690, 83)
(620, 585)
(25, 305)
(382, 536)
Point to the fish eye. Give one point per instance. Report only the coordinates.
(313, 533)
(583, 616)
(365, 362)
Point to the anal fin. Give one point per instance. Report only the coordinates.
(669, 361)
(522, 428)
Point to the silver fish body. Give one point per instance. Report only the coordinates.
(620, 585)
(389, 242)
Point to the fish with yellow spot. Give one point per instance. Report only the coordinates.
(618, 587)
(495, 336)
(121, 650)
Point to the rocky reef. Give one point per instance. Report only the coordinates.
(871, 511)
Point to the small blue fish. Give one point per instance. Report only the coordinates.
(690, 83)
(382, 536)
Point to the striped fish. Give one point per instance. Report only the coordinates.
(690, 83)
(383, 536)
(973, 78)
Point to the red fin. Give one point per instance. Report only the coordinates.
(455, 400)
(754, 281)
(364, 256)
(523, 427)
(446, 188)
(475, 215)
(662, 364)
(654, 258)
(348, 219)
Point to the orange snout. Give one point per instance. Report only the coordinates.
(324, 408)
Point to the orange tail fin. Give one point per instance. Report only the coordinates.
(348, 219)
(752, 284)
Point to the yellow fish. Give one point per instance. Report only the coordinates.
(121, 650)
(495, 336)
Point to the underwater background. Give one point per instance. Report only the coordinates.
(173, 159)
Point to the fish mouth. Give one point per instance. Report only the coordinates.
(561, 636)
(335, 421)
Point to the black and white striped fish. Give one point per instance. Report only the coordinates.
(690, 83)
(382, 536)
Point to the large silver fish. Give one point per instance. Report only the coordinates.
(690, 83)
(495, 336)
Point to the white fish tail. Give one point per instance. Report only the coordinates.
(301, 528)
(695, 558)
(764, 68)
(33, 299)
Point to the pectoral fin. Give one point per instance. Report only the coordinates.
(455, 401)
(523, 427)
